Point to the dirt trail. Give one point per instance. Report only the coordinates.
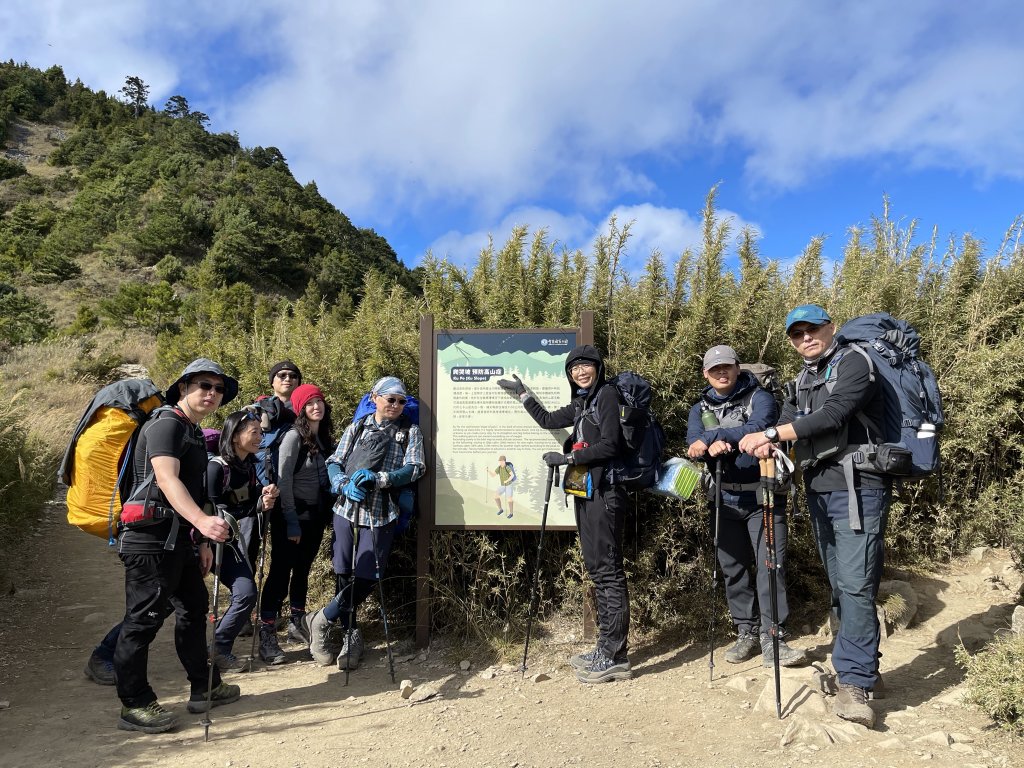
(300, 714)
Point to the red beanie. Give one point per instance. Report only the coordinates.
(302, 394)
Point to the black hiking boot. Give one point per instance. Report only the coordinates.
(583, 660)
(100, 671)
(151, 718)
(746, 647)
(270, 649)
(225, 693)
(788, 656)
(298, 629)
(351, 650)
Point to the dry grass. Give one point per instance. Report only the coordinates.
(31, 145)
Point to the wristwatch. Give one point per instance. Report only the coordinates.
(772, 434)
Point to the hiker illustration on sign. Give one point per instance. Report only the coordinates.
(506, 474)
(475, 420)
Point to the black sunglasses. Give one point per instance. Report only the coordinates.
(206, 386)
(393, 400)
(287, 375)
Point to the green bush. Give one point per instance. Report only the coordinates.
(995, 680)
(11, 168)
(150, 306)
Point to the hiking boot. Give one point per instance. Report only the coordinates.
(298, 629)
(877, 691)
(788, 656)
(320, 646)
(270, 650)
(604, 670)
(151, 718)
(583, 660)
(746, 647)
(852, 704)
(352, 647)
(226, 661)
(225, 693)
(99, 670)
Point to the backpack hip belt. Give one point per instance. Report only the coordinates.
(139, 514)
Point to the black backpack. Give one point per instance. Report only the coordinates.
(640, 464)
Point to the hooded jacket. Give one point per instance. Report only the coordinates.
(593, 413)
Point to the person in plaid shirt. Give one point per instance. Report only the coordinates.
(377, 457)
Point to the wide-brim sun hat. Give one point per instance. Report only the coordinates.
(203, 365)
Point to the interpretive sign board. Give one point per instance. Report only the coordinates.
(488, 471)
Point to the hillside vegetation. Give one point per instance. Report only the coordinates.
(222, 254)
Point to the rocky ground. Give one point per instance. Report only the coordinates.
(300, 714)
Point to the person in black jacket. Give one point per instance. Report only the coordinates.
(596, 439)
(231, 482)
(740, 407)
(835, 394)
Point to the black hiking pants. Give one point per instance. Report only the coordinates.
(157, 586)
(601, 523)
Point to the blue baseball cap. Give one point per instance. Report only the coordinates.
(807, 313)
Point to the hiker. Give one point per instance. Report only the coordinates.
(285, 376)
(377, 455)
(596, 439)
(231, 481)
(506, 475)
(163, 569)
(849, 532)
(740, 406)
(297, 523)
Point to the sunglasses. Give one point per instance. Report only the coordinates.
(799, 333)
(393, 400)
(206, 386)
(287, 375)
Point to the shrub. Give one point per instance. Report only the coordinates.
(11, 168)
(995, 680)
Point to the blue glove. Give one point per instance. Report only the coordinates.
(365, 478)
(335, 474)
(353, 492)
(554, 459)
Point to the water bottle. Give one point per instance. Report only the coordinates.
(926, 430)
(708, 418)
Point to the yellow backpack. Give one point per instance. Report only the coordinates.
(97, 465)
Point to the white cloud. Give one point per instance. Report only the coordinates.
(399, 108)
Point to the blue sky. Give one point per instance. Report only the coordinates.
(440, 123)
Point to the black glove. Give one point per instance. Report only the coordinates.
(516, 387)
(555, 459)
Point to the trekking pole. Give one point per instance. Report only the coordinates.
(350, 632)
(264, 538)
(380, 599)
(552, 480)
(714, 569)
(218, 557)
(771, 563)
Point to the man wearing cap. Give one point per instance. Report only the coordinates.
(835, 394)
(285, 376)
(378, 457)
(739, 407)
(160, 523)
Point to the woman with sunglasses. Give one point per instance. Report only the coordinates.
(231, 482)
(297, 526)
(377, 457)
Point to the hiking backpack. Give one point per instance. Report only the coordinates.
(913, 404)
(640, 464)
(97, 462)
(768, 379)
(905, 444)
(275, 421)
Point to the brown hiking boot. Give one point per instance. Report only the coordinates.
(852, 704)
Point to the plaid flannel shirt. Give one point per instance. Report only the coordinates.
(377, 509)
